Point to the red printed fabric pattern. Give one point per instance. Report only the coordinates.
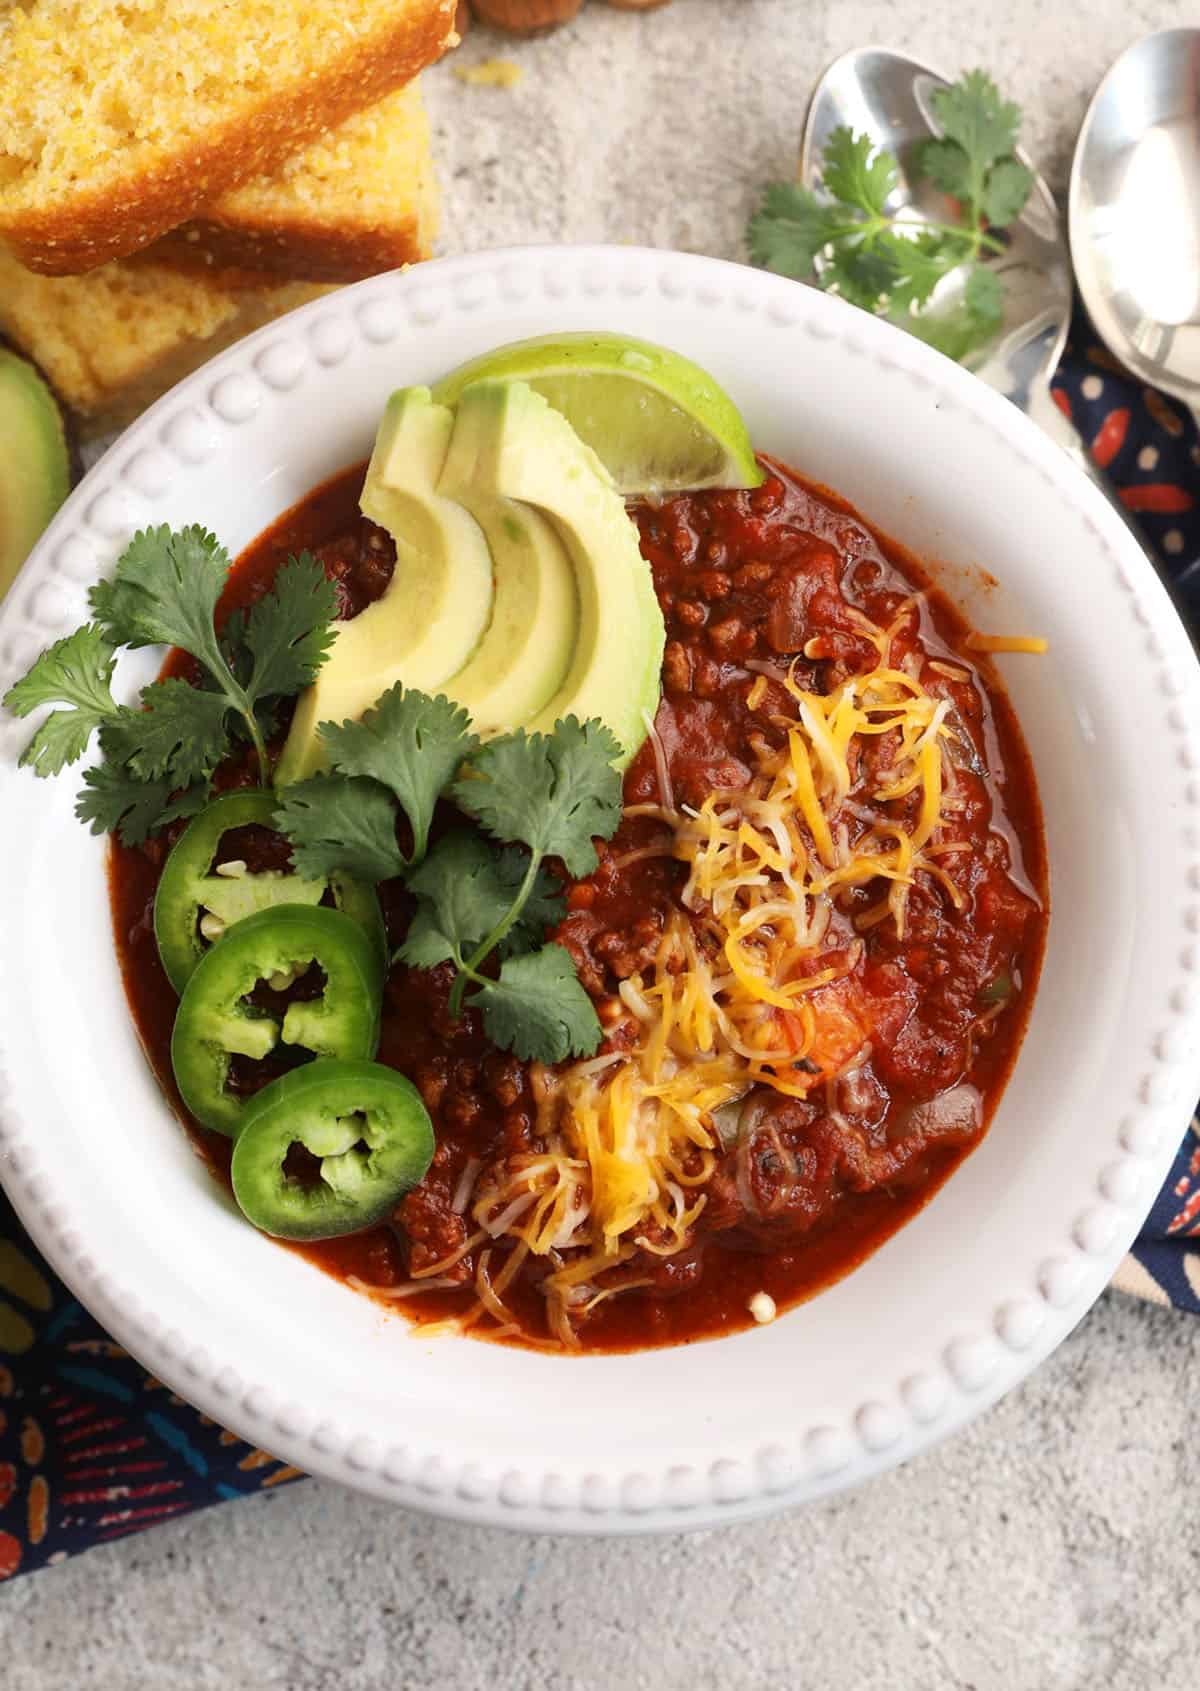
(93, 1448)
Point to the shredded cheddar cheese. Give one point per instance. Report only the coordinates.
(755, 981)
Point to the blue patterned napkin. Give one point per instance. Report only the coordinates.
(1148, 447)
(93, 1448)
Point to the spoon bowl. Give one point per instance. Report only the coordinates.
(1135, 211)
(887, 96)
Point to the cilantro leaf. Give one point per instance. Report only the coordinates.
(181, 731)
(973, 113)
(462, 899)
(287, 634)
(113, 800)
(164, 592)
(920, 261)
(984, 299)
(1009, 184)
(466, 891)
(791, 229)
(340, 822)
(75, 671)
(861, 275)
(946, 166)
(854, 171)
(544, 906)
(188, 803)
(538, 1009)
(553, 792)
(410, 742)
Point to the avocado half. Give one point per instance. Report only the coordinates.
(34, 463)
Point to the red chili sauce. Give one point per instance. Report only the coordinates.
(744, 580)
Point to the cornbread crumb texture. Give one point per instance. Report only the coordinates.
(120, 120)
(361, 199)
(110, 341)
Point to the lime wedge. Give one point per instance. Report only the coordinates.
(658, 422)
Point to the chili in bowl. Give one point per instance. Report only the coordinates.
(780, 1135)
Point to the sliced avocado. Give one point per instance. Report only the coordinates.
(511, 444)
(436, 606)
(523, 659)
(34, 466)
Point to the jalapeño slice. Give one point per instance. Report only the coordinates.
(368, 1139)
(193, 887)
(218, 1020)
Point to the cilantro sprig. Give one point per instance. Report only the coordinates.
(479, 902)
(864, 253)
(404, 751)
(485, 899)
(159, 757)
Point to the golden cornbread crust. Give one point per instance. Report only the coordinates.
(296, 249)
(85, 229)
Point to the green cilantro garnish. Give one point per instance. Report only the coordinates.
(406, 749)
(552, 792)
(112, 800)
(164, 591)
(537, 795)
(891, 268)
(341, 822)
(412, 744)
(538, 1009)
(466, 891)
(75, 672)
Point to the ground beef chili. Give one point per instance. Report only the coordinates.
(749, 584)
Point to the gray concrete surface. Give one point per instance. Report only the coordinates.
(1053, 1546)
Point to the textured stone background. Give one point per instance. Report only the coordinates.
(1054, 1546)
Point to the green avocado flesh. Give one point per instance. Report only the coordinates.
(436, 606)
(520, 590)
(515, 446)
(523, 658)
(34, 468)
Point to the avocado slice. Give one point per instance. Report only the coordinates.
(509, 443)
(523, 659)
(437, 605)
(34, 466)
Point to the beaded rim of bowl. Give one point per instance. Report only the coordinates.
(203, 417)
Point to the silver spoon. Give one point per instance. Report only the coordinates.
(1135, 212)
(886, 95)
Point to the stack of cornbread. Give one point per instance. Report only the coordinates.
(175, 172)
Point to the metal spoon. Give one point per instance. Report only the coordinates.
(1135, 212)
(886, 95)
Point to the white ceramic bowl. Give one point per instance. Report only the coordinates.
(951, 1312)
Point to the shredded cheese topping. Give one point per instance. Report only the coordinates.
(753, 982)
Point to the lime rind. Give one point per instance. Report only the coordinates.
(658, 422)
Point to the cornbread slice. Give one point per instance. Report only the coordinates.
(115, 339)
(360, 200)
(120, 119)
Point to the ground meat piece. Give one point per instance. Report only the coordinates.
(433, 1231)
(691, 613)
(677, 668)
(505, 1077)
